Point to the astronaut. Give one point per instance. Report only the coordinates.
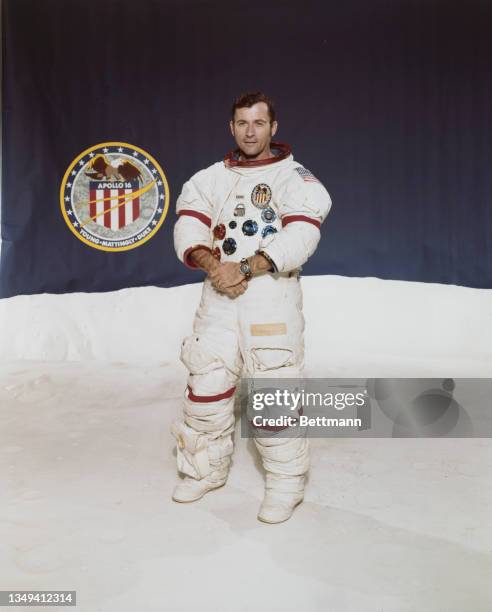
(250, 221)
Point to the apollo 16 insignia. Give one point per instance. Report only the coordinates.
(114, 196)
(261, 195)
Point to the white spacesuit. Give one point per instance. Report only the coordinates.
(234, 209)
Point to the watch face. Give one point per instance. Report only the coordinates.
(245, 268)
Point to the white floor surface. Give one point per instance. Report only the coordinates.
(87, 468)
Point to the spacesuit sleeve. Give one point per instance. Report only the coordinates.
(303, 206)
(192, 230)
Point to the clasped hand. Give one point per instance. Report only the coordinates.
(227, 278)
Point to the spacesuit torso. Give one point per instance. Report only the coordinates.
(276, 206)
(250, 212)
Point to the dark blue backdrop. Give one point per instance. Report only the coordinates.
(386, 101)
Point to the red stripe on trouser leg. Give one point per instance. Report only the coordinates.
(210, 398)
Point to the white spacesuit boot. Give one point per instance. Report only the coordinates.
(190, 489)
(204, 438)
(286, 461)
(203, 458)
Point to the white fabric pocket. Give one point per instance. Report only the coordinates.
(272, 358)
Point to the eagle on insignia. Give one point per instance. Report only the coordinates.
(116, 170)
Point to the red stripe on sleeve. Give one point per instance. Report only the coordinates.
(198, 215)
(292, 218)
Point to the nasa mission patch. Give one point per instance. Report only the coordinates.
(114, 196)
(261, 195)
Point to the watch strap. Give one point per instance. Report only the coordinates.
(273, 267)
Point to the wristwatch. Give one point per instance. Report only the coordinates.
(245, 268)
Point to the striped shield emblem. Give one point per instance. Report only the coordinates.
(112, 205)
(261, 195)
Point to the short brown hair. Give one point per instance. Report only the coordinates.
(247, 100)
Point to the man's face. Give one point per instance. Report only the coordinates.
(253, 131)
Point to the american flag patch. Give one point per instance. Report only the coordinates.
(306, 175)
